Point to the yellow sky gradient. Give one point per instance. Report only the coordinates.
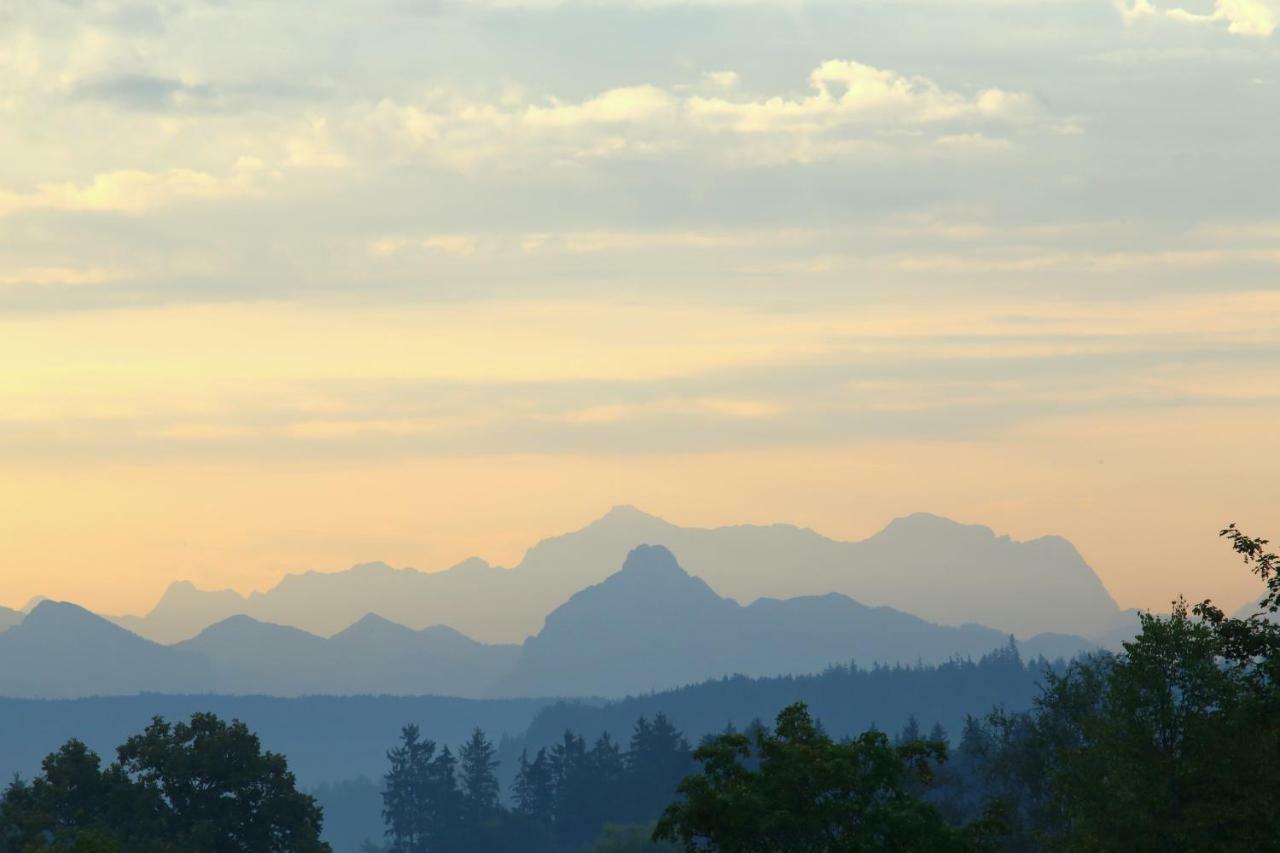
(201, 443)
(289, 286)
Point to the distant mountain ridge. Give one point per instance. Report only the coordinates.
(647, 627)
(940, 570)
(652, 626)
(61, 650)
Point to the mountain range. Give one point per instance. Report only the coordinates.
(937, 569)
(647, 627)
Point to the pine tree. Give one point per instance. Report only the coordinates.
(574, 791)
(479, 778)
(658, 760)
(607, 772)
(406, 792)
(534, 788)
(910, 732)
(444, 808)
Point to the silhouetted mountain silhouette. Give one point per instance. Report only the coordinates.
(373, 655)
(650, 625)
(943, 571)
(653, 626)
(9, 618)
(60, 650)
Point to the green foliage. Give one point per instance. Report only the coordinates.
(1173, 744)
(810, 794)
(203, 786)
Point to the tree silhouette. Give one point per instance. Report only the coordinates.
(812, 794)
(406, 792)
(204, 785)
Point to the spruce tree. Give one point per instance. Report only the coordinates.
(479, 778)
(406, 792)
(534, 788)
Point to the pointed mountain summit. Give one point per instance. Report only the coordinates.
(371, 629)
(183, 611)
(61, 649)
(653, 626)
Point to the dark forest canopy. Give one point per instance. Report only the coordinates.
(205, 785)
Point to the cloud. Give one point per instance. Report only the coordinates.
(848, 93)
(629, 105)
(1257, 18)
(135, 190)
(313, 148)
(851, 103)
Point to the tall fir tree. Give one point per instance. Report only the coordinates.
(406, 793)
(534, 789)
(657, 762)
(478, 767)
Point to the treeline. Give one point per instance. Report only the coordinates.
(847, 698)
(573, 796)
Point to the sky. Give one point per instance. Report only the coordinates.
(293, 285)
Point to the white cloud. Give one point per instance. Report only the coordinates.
(134, 190)
(313, 149)
(630, 105)
(1257, 18)
(848, 92)
(725, 80)
(851, 104)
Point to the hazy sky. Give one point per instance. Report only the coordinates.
(294, 285)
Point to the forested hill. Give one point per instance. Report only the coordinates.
(847, 699)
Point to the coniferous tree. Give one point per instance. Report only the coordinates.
(406, 792)
(659, 758)
(479, 778)
(445, 805)
(534, 789)
(574, 791)
(606, 769)
(910, 731)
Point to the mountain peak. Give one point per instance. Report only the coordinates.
(628, 516)
(373, 567)
(60, 613)
(181, 593)
(653, 560)
(926, 522)
(245, 631)
(649, 574)
(63, 620)
(372, 625)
